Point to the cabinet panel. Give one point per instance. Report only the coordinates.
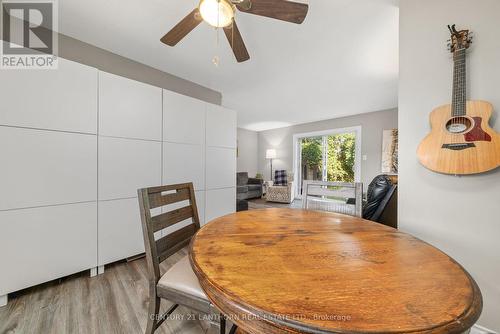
(62, 99)
(129, 108)
(42, 244)
(183, 119)
(184, 163)
(126, 165)
(120, 230)
(219, 202)
(221, 168)
(46, 167)
(200, 203)
(221, 127)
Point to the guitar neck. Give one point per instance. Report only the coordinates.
(459, 100)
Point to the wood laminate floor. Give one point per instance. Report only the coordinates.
(114, 302)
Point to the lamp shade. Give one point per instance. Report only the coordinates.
(271, 154)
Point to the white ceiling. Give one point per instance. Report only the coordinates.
(342, 60)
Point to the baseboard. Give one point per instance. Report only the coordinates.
(476, 329)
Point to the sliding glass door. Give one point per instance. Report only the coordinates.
(328, 156)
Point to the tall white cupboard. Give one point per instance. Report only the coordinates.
(75, 145)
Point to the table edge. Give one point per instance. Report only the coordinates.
(217, 295)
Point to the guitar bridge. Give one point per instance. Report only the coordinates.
(458, 146)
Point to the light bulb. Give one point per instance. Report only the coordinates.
(217, 13)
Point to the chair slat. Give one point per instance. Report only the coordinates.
(171, 218)
(175, 241)
(157, 200)
(325, 191)
(170, 187)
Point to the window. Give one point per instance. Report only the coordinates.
(332, 155)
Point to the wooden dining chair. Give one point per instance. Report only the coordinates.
(340, 197)
(179, 284)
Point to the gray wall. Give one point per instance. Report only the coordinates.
(248, 150)
(87, 54)
(459, 215)
(372, 125)
(78, 51)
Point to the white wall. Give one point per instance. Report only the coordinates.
(248, 152)
(372, 125)
(457, 214)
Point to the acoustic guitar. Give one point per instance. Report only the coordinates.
(461, 141)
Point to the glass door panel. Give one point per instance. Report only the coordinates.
(330, 157)
(311, 163)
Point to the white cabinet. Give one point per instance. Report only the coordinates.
(62, 99)
(184, 163)
(120, 230)
(129, 108)
(219, 202)
(183, 119)
(200, 203)
(126, 165)
(41, 244)
(221, 168)
(75, 146)
(221, 127)
(46, 167)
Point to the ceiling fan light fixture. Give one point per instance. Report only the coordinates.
(217, 13)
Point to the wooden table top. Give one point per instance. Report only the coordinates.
(296, 271)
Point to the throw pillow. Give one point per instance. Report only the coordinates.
(280, 178)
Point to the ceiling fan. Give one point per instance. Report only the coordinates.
(220, 14)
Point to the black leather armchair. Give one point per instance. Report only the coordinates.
(248, 188)
(381, 201)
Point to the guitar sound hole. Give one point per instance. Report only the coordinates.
(458, 125)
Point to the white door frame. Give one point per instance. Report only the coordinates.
(296, 161)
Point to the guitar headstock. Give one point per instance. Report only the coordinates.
(460, 40)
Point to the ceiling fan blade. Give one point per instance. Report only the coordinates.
(236, 42)
(289, 11)
(191, 21)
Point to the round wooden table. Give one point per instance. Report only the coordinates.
(295, 271)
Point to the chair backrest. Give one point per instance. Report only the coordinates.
(157, 197)
(346, 198)
(382, 193)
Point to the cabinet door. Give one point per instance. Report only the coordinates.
(183, 119)
(62, 99)
(221, 127)
(219, 203)
(46, 167)
(42, 244)
(129, 108)
(200, 203)
(221, 168)
(126, 165)
(120, 230)
(184, 163)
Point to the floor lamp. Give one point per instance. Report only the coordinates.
(270, 155)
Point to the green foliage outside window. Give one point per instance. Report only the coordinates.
(341, 157)
(312, 154)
